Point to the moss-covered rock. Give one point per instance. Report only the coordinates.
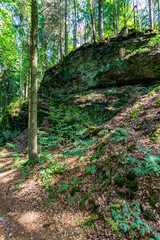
(102, 64)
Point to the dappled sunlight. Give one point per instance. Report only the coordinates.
(29, 220)
(8, 175)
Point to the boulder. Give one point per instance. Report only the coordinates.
(119, 61)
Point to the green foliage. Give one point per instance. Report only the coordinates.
(120, 135)
(157, 103)
(155, 90)
(146, 166)
(63, 187)
(119, 180)
(113, 225)
(53, 168)
(129, 219)
(88, 222)
(152, 199)
(135, 112)
(91, 169)
(86, 197)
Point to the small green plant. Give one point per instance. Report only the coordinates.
(91, 169)
(149, 164)
(63, 187)
(128, 219)
(120, 134)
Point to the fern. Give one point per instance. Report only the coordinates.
(63, 187)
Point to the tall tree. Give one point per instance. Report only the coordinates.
(151, 13)
(75, 26)
(101, 19)
(66, 27)
(60, 30)
(92, 21)
(32, 136)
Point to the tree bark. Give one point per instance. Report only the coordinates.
(92, 21)
(66, 27)
(138, 16)
(151, 13)
(33, 91)
(61, 31)
(117, 18)
(0, 92)
(95, 15)
(6, 94)
(75, 26)
(100, 19)
(158, 12)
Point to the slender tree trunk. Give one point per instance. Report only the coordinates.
(75, 26)
(117, 18)
(45, 53)
(95, 15)
(100, 19)
(85, 31)
(66, 27)
(138, 16)
(33, 91)
(151, 13)
(158, 12)
(134, 14)
(61, 31)
(6, 95)
(0, 92)
(92, 22)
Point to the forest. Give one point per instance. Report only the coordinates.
(80, 119)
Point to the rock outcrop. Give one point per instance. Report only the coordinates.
(120, 61)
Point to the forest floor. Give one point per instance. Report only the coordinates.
(109, 191)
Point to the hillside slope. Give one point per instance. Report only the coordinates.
(97, 176)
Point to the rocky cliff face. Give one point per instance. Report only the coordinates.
(119, 61)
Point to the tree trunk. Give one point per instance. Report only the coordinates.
(61, 31)
(117, 18)
(95, 15)
(158, 12)
(7, 89)
(151, 13)
(138, 16)
(45, 54)
(92, 22)
(33, 91)
(75, 26)
(100, 19)
(134, 15)
(0, 92)
(66, 27)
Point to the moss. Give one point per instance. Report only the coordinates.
(89, 221)
(119, 180)
(156, 135)
(155, 90)
(131, 147)
(134, 114)
(114, 205)
(113, 225)
(157, 103)
(86, 197)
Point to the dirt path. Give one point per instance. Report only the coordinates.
(24, 214)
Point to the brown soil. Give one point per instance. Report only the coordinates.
(24, 210)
